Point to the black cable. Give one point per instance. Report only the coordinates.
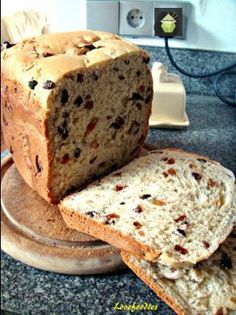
(217, 90)
(218, 73)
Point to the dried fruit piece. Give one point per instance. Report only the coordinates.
(47, 54)
(91, 126)
(164, 159)
(206, 244)
(146, 59)
(138, 209)
(94, 76)
(118, 123)
(145, 196)
(77, 153)
(112, 216)
(136, 97)
(137, 225)
(158, 202)
(197, 176)
(165, 174)
(119, 187)
(48, 85)
(171, 161)
(91, 213)
(80, 77)
(78, 101)
(32, 84)
(181, 218)
(181, 249)
(141, 233)
(64, 96)
(171, 171)
(65, 115)
(63, 131)
(89, 104)
(182, 232)
(122, 203)
(211, 183)
(65, 159)
(139, 106)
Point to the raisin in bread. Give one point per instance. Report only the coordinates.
(168, 205)
(75, 105)
(208, 288)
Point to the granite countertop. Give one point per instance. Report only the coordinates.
(26, 290)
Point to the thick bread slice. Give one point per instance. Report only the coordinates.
(169, 204)
(208, 288)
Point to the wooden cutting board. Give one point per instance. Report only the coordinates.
(33, 232)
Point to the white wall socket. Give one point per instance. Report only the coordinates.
(129, 17)
(136, 18)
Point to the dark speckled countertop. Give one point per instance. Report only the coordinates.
(26, 290)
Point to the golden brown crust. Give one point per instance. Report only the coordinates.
(101, 231)
(52, 56)
(26, 138)
(154, 286)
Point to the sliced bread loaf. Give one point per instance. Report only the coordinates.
(75, 105)
(208, 288)
(168, 205)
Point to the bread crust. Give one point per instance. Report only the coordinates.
(25, 133)
(103, 232)
(154, 286)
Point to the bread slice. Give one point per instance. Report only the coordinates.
(168, 205)
(208, 288)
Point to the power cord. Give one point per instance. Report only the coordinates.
(218, 75)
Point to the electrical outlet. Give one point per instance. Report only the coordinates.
(136, 18)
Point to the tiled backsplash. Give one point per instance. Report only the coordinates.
(197, 61)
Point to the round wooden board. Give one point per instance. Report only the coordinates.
(33, 232)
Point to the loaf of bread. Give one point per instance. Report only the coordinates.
(168, 205)
(75, 106)
(208, 288)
